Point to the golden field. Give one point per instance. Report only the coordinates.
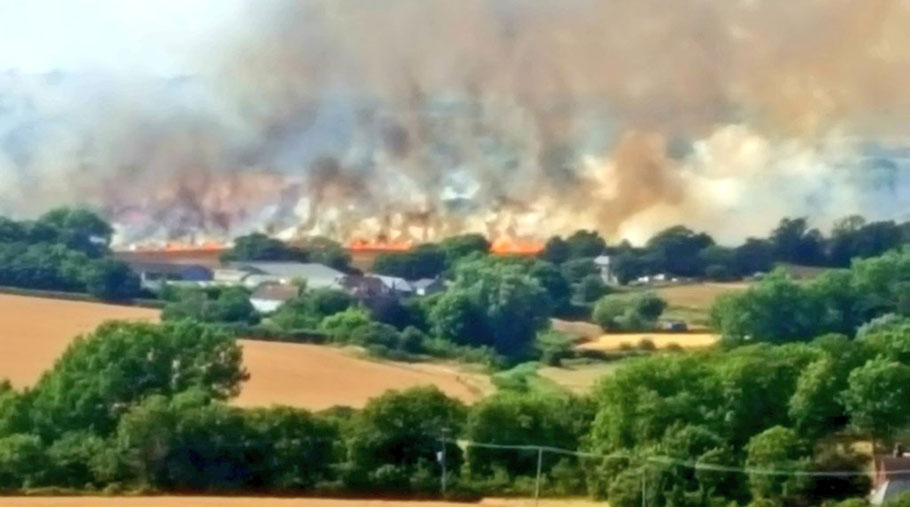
(35, 331)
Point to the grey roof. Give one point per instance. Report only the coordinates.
(275, 292)
(304, 270)
(166, 268)
(423, 283)
(395, 283)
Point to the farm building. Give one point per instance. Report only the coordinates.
(395, 284)
(316, 276)
(606, 269)
(152, 275)
(268, 297)
(892, 477)
(427, 286)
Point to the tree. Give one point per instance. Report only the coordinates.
(877, 397)
(78, 229)
(584, 243)
(777, 309)
(815, 406)
(186, 443)
(620, 312)
(591, 288)
(552, 280)
(677, 250)
(260, 247)
(396, 438)
(775, 448)
(794, 242)
(754, 256)
(424, 261)
(229, 305)
(554, 421)
(111, 279)
(341, 326)
(328, 252)
(102, 374)
(307, 310)
(492, 303)
(22, 462)
(462, 245)
(555, 250)
(576, 269)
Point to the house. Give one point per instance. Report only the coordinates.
(427, 286)
(153, 275)
(892, 477)
(228, 276)
(395, 284)
(316, 276)
(606, 269)
(268, 297)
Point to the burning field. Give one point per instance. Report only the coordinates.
(395, 124)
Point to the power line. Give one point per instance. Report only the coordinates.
(670, 461)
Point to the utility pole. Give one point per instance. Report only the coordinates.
(644, 487)
(537, 484)
(442, 459)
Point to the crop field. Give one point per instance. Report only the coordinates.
(35, 331)
(177, 501)
(618, 341)
(317, 377)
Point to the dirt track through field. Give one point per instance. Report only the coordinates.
(35, 331)
(171, 501)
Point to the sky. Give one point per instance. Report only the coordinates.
(154, 37)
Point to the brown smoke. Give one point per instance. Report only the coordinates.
(412, 119)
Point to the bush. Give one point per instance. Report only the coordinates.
(623, 313)
(647, 345)
(553, 347)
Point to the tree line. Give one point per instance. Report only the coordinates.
(66, 249)
(681, 252)
(780, 309)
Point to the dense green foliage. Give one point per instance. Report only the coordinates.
(780, 309)
(430, 260)
(218, 305)
(494, 304)
(638, 312)
(65, 249)
(260, 247)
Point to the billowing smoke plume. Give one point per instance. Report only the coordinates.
(406, 120)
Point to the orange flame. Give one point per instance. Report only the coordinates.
(359, 245)
(506, 246)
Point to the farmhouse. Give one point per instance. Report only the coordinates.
(316, 276)
(152, 275)
(892, 477)
(268, 297)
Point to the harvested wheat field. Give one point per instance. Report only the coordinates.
(35, 331)
(317, 377)
(171, 501)
(700, 295)
(618, 341)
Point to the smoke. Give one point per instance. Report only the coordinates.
(408, 120)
